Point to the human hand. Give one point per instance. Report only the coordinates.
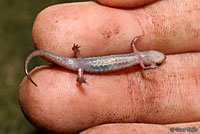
(165, 95)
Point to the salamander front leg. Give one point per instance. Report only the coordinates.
(138, 52)
(141, 56)
(152, 66)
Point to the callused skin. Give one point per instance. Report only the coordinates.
(146, 59)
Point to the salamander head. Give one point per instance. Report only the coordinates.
(156, 57)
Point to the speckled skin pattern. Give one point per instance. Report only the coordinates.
(146, 59)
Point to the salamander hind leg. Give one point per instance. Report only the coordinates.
(80, 78)
(76, 50)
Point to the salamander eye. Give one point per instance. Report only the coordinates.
(158, 64)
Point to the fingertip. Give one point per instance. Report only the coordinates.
(53, 30)
(60, 104)
(99, 30)
(127, 128)
(46, 103)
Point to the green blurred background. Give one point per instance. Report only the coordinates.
(16, 20)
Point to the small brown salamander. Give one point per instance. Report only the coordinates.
(146, 59)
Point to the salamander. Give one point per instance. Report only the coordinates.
(146, 59)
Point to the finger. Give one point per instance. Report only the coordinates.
(167, 94)
(166, 25)
(124, 3)
(185, 128)
(128, 128)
